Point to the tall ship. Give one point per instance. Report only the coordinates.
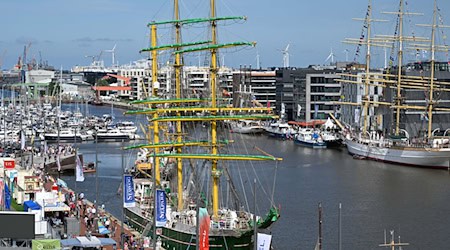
(190, 152)
(429, 149)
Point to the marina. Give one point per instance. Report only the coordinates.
(162, 153)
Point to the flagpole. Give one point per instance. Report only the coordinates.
(320, 226)
(340, 227)
(122, 234)
(76, 155)
(96, 170)
(255, 236)
(154, 201)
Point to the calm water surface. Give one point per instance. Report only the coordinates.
(375, 196)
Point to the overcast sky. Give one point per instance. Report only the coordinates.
(65, 32)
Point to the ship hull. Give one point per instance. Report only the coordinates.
(52, 138)
(311, 144)
(417, 157)
(247, 130)
(107, 138)
(181, 240)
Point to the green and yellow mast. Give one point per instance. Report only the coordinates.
(213, 77)
(154, 95)
(214, 157)
(178, 66)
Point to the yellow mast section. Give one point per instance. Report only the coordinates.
(215, 174)
(178, 96)
(154, 94)
(399, 69)
(367, 80)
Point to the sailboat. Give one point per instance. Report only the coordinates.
(399, 148)
(190, 220)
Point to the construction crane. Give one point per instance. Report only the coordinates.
(92, 57)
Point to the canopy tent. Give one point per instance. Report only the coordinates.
(30, 205)
(84, 241)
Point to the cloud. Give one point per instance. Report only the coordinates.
(26, 40)
(47, 41)
(103, 39)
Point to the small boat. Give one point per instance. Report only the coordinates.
(281, 130)
(112, 135)
(247, 127)
(310, 138)
(65, 135)
(127, 127)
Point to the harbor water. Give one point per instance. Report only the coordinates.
(375, 196)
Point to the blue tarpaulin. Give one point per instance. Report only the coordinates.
(30, 205)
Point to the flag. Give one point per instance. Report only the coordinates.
(22, 140)
(58, 163)
(268, 104)
(316, 111)
(204, 229)
(161, 206)
(128, 191)
(357, 115)
(264, 241)
(45, 147)
(79, 170)
(299, 109)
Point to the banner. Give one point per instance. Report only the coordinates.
(9, 164)
(161, 206)
(283, 108)
(7, 198)
(204, 228)
(128, 191)
(45, 244)
(79, 170)
(2, 185)
(264, 241)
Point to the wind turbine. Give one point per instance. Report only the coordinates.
(258, 63)
(346, 54)
(113, 53)
(330, 56)
(286, 56)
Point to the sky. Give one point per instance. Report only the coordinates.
(65, 32)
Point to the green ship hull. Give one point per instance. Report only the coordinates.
(172, 239)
